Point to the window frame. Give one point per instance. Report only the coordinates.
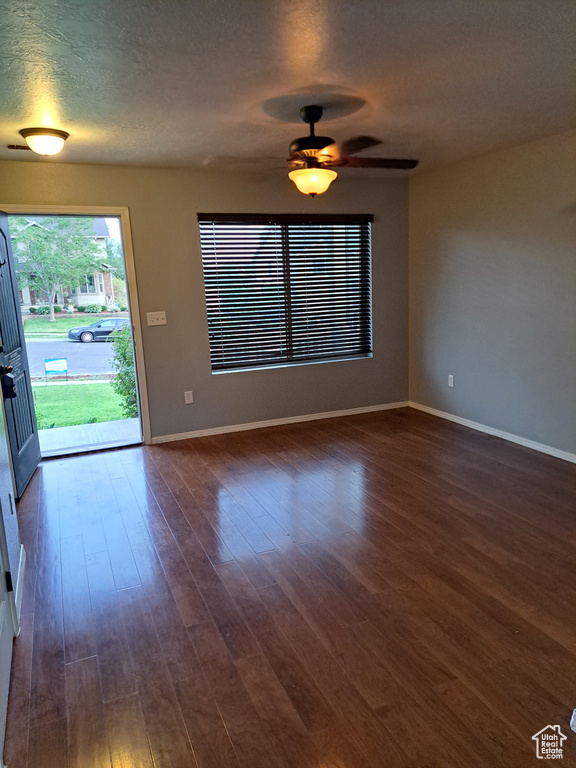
(85, 287)
(290, 257)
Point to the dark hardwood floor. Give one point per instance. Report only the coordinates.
(379, 591)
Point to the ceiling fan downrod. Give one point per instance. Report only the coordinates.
(311, 144)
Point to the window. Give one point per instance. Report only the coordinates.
(286, 289)
(88, 286)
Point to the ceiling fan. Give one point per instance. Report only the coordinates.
(312, 158)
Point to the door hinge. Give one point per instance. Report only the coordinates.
(9, 585)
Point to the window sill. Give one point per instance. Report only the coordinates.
(292, 364)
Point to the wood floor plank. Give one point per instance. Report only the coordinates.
(127, 735)
(279, 504)
(28, 520)
(220, 545)
(79, 634)
(551, 663)
(49, 745)
(167, 734)
(300, 574)
(128, 506)
(355, 717)
(536, 604)
(123, 564)
(208, 733)
(30, 576)
(176, 647)
(508, 748)
(87, 737)
(338, 748)
(209, 537)
(274, 532)
(518, 711)
(282, 723)
(400, 718)
(47, 693)
(46, 550)
(251, 743)
(341, 577)
(177, 574)
(191, 506)
(305, 696)
(167, 503)
(232, 520)
(115, 667)
(245, 556)
(250, 503)
(381, 589)
(235, 632)
(17, 724)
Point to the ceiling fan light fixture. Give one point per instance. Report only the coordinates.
(44, 141)
(312, 181)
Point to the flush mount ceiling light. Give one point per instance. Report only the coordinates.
(44, 141)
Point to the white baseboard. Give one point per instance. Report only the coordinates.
(498, 433)
(276, 422)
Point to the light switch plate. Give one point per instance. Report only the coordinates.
(156, 318)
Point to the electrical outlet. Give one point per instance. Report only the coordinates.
(450, 380)
(188, 397)
(156, 318)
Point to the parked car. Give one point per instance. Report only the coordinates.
(99, 331)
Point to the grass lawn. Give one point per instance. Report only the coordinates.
(72, 404)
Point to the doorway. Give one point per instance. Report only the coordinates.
(69, 325)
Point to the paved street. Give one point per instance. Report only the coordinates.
(82, 358)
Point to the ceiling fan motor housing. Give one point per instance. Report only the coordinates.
(310, 145)
(312, 113)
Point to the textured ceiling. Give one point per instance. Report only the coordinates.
(213, 83)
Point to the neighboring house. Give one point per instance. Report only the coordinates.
(98, 288)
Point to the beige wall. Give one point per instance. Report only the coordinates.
(163, 204)
(493, 290)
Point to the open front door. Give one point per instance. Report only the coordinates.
(16, 387)
(11, 574)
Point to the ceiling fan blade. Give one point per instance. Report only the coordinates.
(294, 163)
(358, 144)
(376, 162)
(329, 154)
(322, 152)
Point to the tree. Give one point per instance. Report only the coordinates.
(124, 382)
(114, 257)
(119, 291)
(54, 252)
